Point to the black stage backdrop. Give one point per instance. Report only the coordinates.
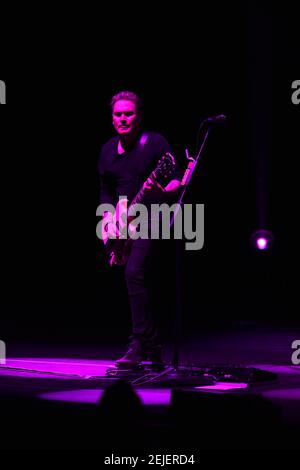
(187, 63)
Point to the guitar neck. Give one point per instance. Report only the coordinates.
(141, 194)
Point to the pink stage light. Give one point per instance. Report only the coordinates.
(262, 239)
(262, 243)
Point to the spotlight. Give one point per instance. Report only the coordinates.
(262, 239)
(262, 243)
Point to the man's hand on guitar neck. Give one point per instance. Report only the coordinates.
(152, 185)
(171, 188)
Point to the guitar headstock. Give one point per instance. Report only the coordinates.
(165, 166)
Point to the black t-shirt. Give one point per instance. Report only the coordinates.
(124, 174)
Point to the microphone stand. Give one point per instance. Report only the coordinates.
(176, 372)
(192, 164)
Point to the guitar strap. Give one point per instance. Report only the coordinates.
(140, 148)
(140, 157)
(143, 140)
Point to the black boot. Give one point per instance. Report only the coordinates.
(133, 357)
(154, 355)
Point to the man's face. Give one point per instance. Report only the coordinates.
(125, 117)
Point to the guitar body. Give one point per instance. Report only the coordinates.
(118, 245)
(118, 251)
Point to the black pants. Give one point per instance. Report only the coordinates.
(137, 275)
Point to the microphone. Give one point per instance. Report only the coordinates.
(219, 118)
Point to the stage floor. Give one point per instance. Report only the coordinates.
(47, 390)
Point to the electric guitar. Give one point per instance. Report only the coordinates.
(118, 247)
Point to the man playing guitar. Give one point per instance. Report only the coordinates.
(125, 163)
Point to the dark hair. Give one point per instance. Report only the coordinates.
(129, 96)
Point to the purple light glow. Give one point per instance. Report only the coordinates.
(262, 243)
(262, 239)
(224, 386)
(91, 396)
(56, 367)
